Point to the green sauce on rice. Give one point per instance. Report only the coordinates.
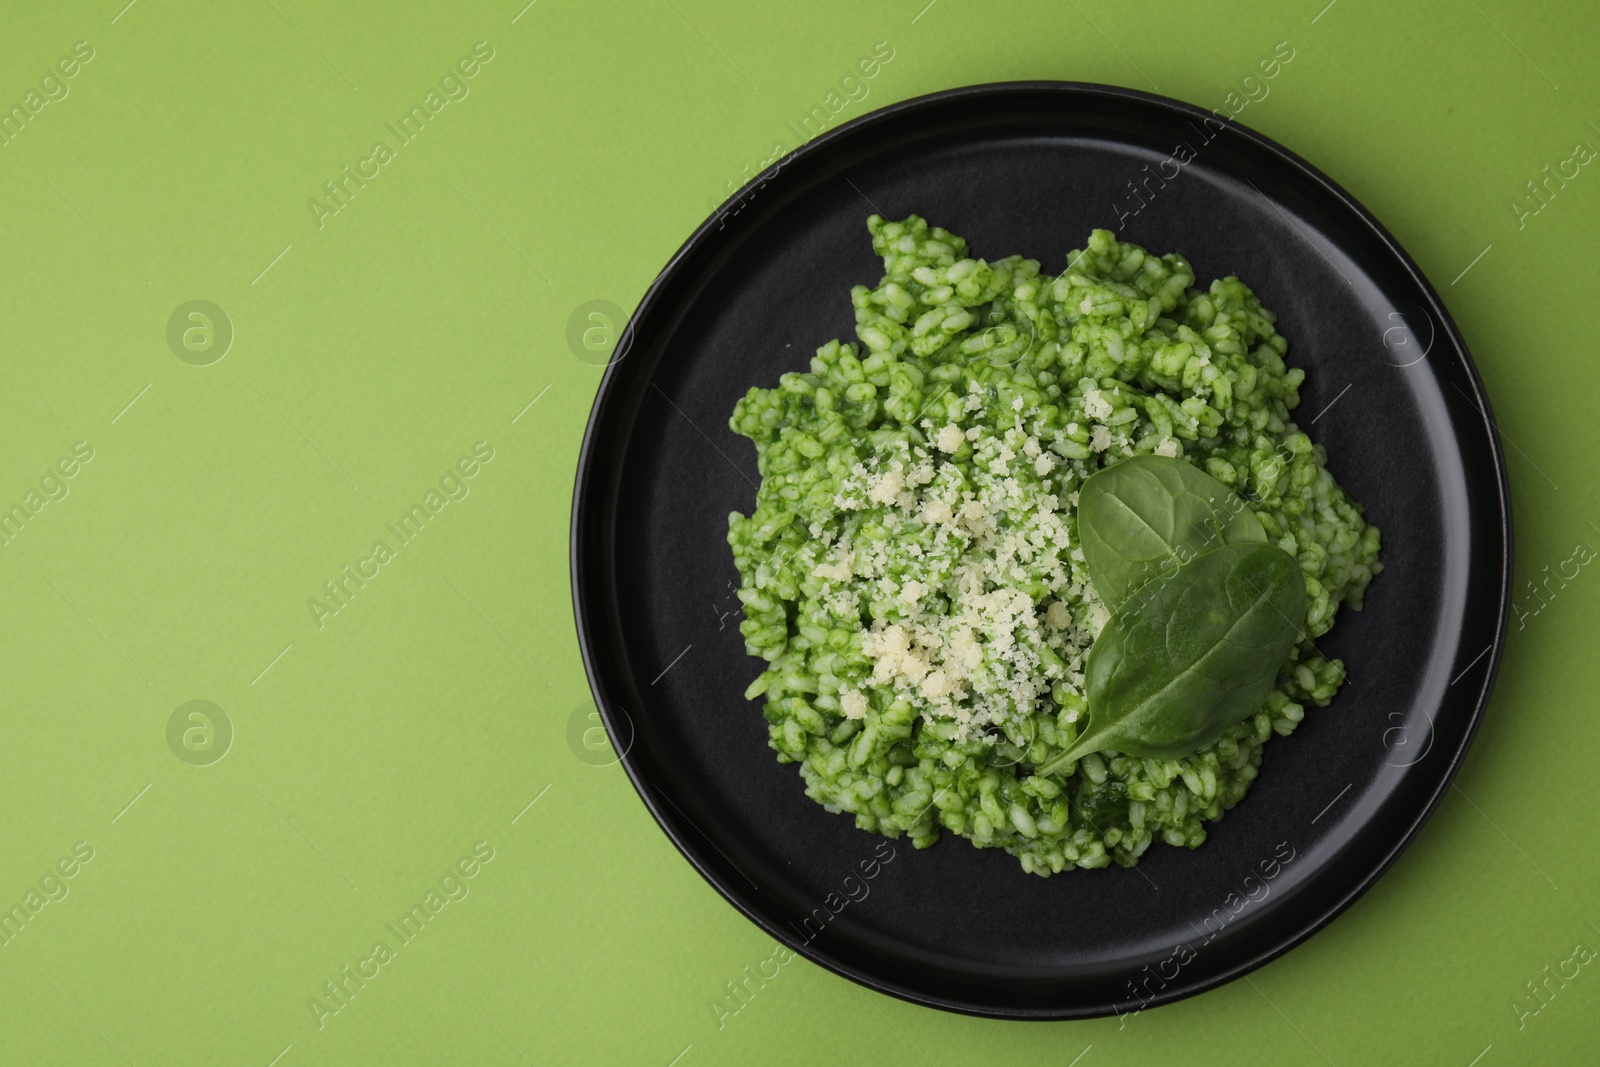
(911, 571)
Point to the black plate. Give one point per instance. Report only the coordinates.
(1031, 168)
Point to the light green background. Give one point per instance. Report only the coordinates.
(370, 356)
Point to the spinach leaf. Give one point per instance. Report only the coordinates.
(1146, 515)
(1191, 655)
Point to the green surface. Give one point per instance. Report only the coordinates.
(371, 755)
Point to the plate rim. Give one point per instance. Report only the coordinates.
(583, 494)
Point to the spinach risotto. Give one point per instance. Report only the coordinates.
(928, 596)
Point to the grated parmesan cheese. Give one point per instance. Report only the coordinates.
(884, 488)
(837, 571)
(853, 702)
